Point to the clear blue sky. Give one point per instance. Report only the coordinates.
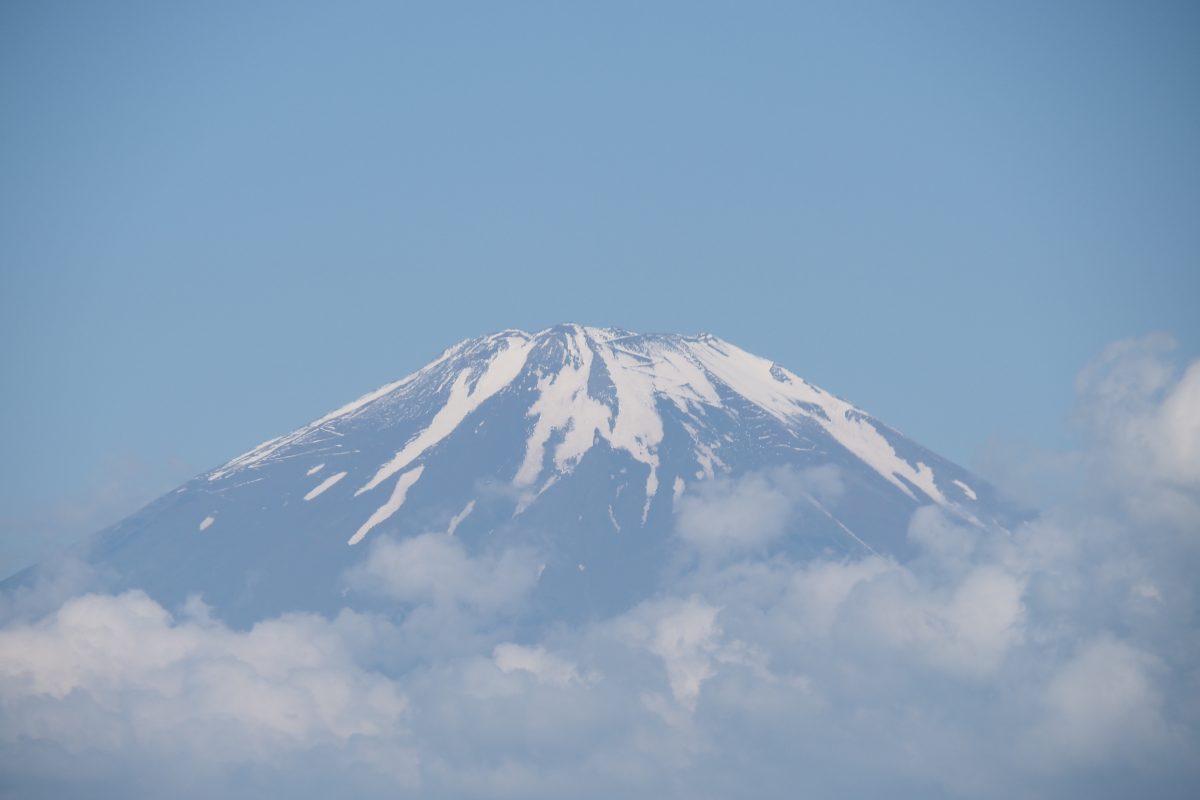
(219, 220)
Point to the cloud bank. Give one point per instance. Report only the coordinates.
(1061, 659)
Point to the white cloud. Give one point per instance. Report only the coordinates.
(120, 673)
(1099, 705)
(684, 636)
(436, 568)
(1142, 411)
(32, 532)
(946, 542)
(964, 630)
(726, 516)
(543, 666)
(1058, 659)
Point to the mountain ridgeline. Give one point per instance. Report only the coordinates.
(575, 442)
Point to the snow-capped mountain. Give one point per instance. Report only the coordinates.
(576, 440)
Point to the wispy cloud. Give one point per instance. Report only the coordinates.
(117, 488)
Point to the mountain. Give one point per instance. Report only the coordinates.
(577, 441)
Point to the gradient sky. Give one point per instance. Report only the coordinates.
(219, 221)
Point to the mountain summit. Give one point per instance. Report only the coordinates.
(578, 441)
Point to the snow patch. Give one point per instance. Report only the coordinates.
(788, 398)
(457, 519)
(967, 490)
(399, 493)
(267, 451)
(642, 371)
(206, 522)
(564, 404)
(685, 378)
(499, 373)
(323, 485)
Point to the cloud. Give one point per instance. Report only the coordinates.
(435, 568)
(543, 666)
(1141, 411)
(963, 630)
(1101, 704)
(1058, 659)
(44, 590)
(121, 675)
(727, 516)
(34, 531)
(448, 601)
(684, 635)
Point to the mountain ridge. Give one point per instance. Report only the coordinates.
(581, 439)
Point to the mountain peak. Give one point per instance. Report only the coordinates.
(584, 437)
(588, 385)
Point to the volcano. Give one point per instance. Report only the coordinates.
(580, 442)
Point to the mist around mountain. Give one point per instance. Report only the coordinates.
(592, 563)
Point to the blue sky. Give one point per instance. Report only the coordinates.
(219, 221)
